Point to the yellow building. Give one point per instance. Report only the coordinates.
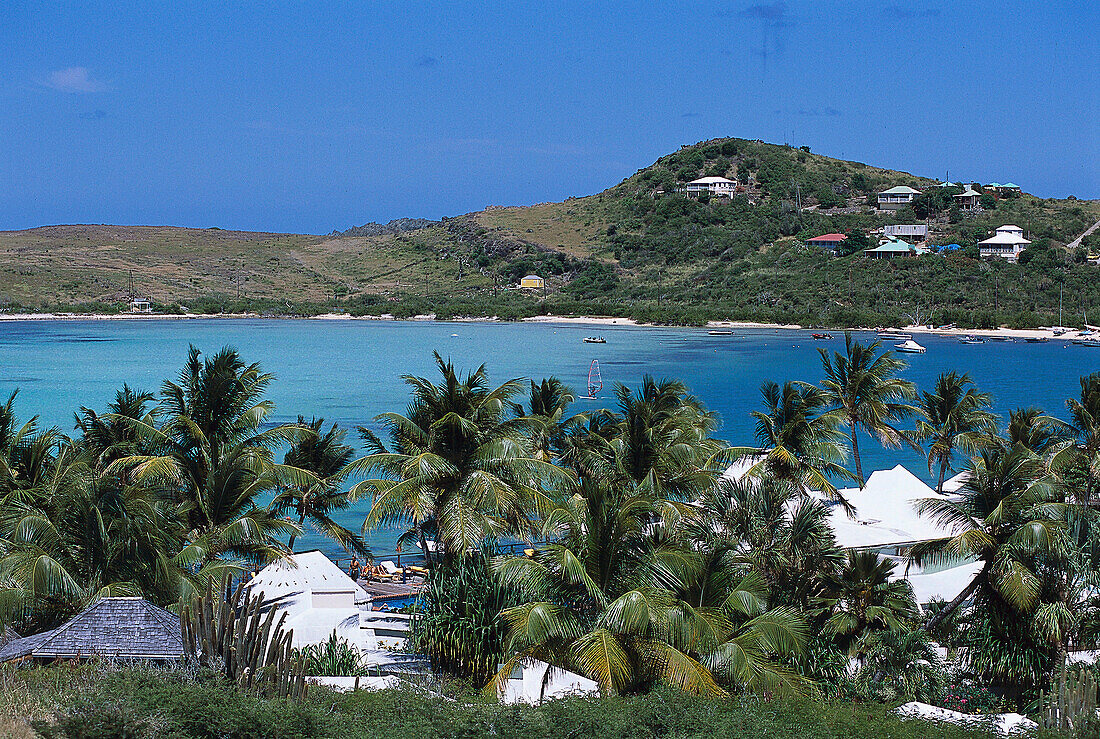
(532, 281)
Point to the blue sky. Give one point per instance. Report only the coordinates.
(309, 116)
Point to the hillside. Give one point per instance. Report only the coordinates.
(637, 249)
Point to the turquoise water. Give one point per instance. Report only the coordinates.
(350, 371)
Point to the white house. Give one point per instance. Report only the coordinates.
(897, 197)
(969, 199)
(1007, 243)
(319, 598)
(717, 186)
(911, 232)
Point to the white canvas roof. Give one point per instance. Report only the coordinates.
(945, 584)
(305, 571)
(886, 512)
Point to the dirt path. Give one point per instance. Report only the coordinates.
(1077, 242)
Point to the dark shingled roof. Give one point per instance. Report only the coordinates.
(120, 628)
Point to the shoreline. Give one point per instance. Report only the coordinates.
(1043, 332)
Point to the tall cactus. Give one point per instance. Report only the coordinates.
(1071, 705)
(230, 633)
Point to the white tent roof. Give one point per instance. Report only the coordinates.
(945, 584)
(711, 181)
(886, 512)
(306, 571)
(952, 485)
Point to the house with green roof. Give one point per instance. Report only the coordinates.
(892, 247)
(897, 198)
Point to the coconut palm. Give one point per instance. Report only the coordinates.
(863, 599)
(863, 385)
(799, 440)
(1082, 447)
(1035, 430)
(545, 416)
(215, 454)
(902, 666)
(458, 465)
(955, 417)
(326, 456)
(27, 453)
(112, 435)
(1002, 520)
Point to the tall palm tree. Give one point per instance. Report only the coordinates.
(458, 465)
(27, 453)
(326, 456)
(112, 436)
(212, 449)
(1082, 447)
(545, 416)
(955, 417)
(800, 441)
(1002, 521)
(1034, 430)
(864, 386)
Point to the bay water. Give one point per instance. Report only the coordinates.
(349, 371)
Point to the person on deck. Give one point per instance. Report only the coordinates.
(355, 570)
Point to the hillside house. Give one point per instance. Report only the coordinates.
(897, 198)
(1007, 242)
(915, 232)
(827, 241)
(891, 248)
(969, 199)
(1006, 190)
(138, 305)
(716, 186)
(533, 281)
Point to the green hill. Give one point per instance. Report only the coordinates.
(638, 249)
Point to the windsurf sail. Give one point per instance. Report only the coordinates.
(595, 382)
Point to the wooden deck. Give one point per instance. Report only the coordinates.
(383, 591)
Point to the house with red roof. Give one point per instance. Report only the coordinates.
(827, 241)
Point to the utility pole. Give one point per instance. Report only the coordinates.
(658, 289)
(1060, 287)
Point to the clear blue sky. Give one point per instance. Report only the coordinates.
(310, 116)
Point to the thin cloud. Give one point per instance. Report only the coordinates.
(94, 115)
(75, 80)
(773, 14)
(427, 62)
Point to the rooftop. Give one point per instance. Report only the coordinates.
(830, 237)
(970, 192)
(900, 190)
(886, 513)
(711, 181)
(120, 628)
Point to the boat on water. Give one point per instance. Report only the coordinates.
(1086, 342)
(1059, 331)
(821, 336)
(895, 335)
(946, 327)
(719, 332)
(1036, 339)
(1002, 338)
(971, 340)
(909, 347)
(595, 340)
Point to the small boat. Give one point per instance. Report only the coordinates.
(1001, 338)
(1059, 331)
(909, 347)
(947, 327)
(595, 340)
(821, 336)
(1036, 339)
(720, 333)
(895, 335)
(971, 340)
(1086, 342)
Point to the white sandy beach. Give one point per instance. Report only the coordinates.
(1044, 332)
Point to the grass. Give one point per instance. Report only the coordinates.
(93, 700)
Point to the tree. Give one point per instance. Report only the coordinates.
(863, 385)
(799, 439)
(545, 416)
(863, 599)
(954, 417)
(325, 455)
(459, 468)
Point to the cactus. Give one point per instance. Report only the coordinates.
(1071, 705)
(231, 633)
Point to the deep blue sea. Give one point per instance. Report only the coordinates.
(350, 371)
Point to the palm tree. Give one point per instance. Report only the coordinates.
(112, 436)
(545, 416)
(1002, 521)
(213, 451)
(27, 453)
(326, 456)
(1034, 430)
(458, 466)
(955, 417)
(1082, 448)
(863, 385)
(863, 599)
(799, 439)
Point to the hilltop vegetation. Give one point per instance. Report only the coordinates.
(638, 249)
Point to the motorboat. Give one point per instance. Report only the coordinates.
(720, 333)
(1001, 338)
(1036, 339)
(895, 335)
(1086, 342)
(595, 340)
(971, 340)
(821, 336)
(909, 347)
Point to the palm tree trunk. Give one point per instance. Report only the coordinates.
(301, 520)
(958, 601)
(855, 454)
(943, 473)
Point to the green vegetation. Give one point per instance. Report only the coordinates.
(645, 570)
(638, 250)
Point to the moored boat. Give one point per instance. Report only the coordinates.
(1036, 339)
(595, 340)
(909, 347)
(895, 335)
(821, 336)
(720, 332)
(971, 340)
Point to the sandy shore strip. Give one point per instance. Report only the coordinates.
(1044, 332)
